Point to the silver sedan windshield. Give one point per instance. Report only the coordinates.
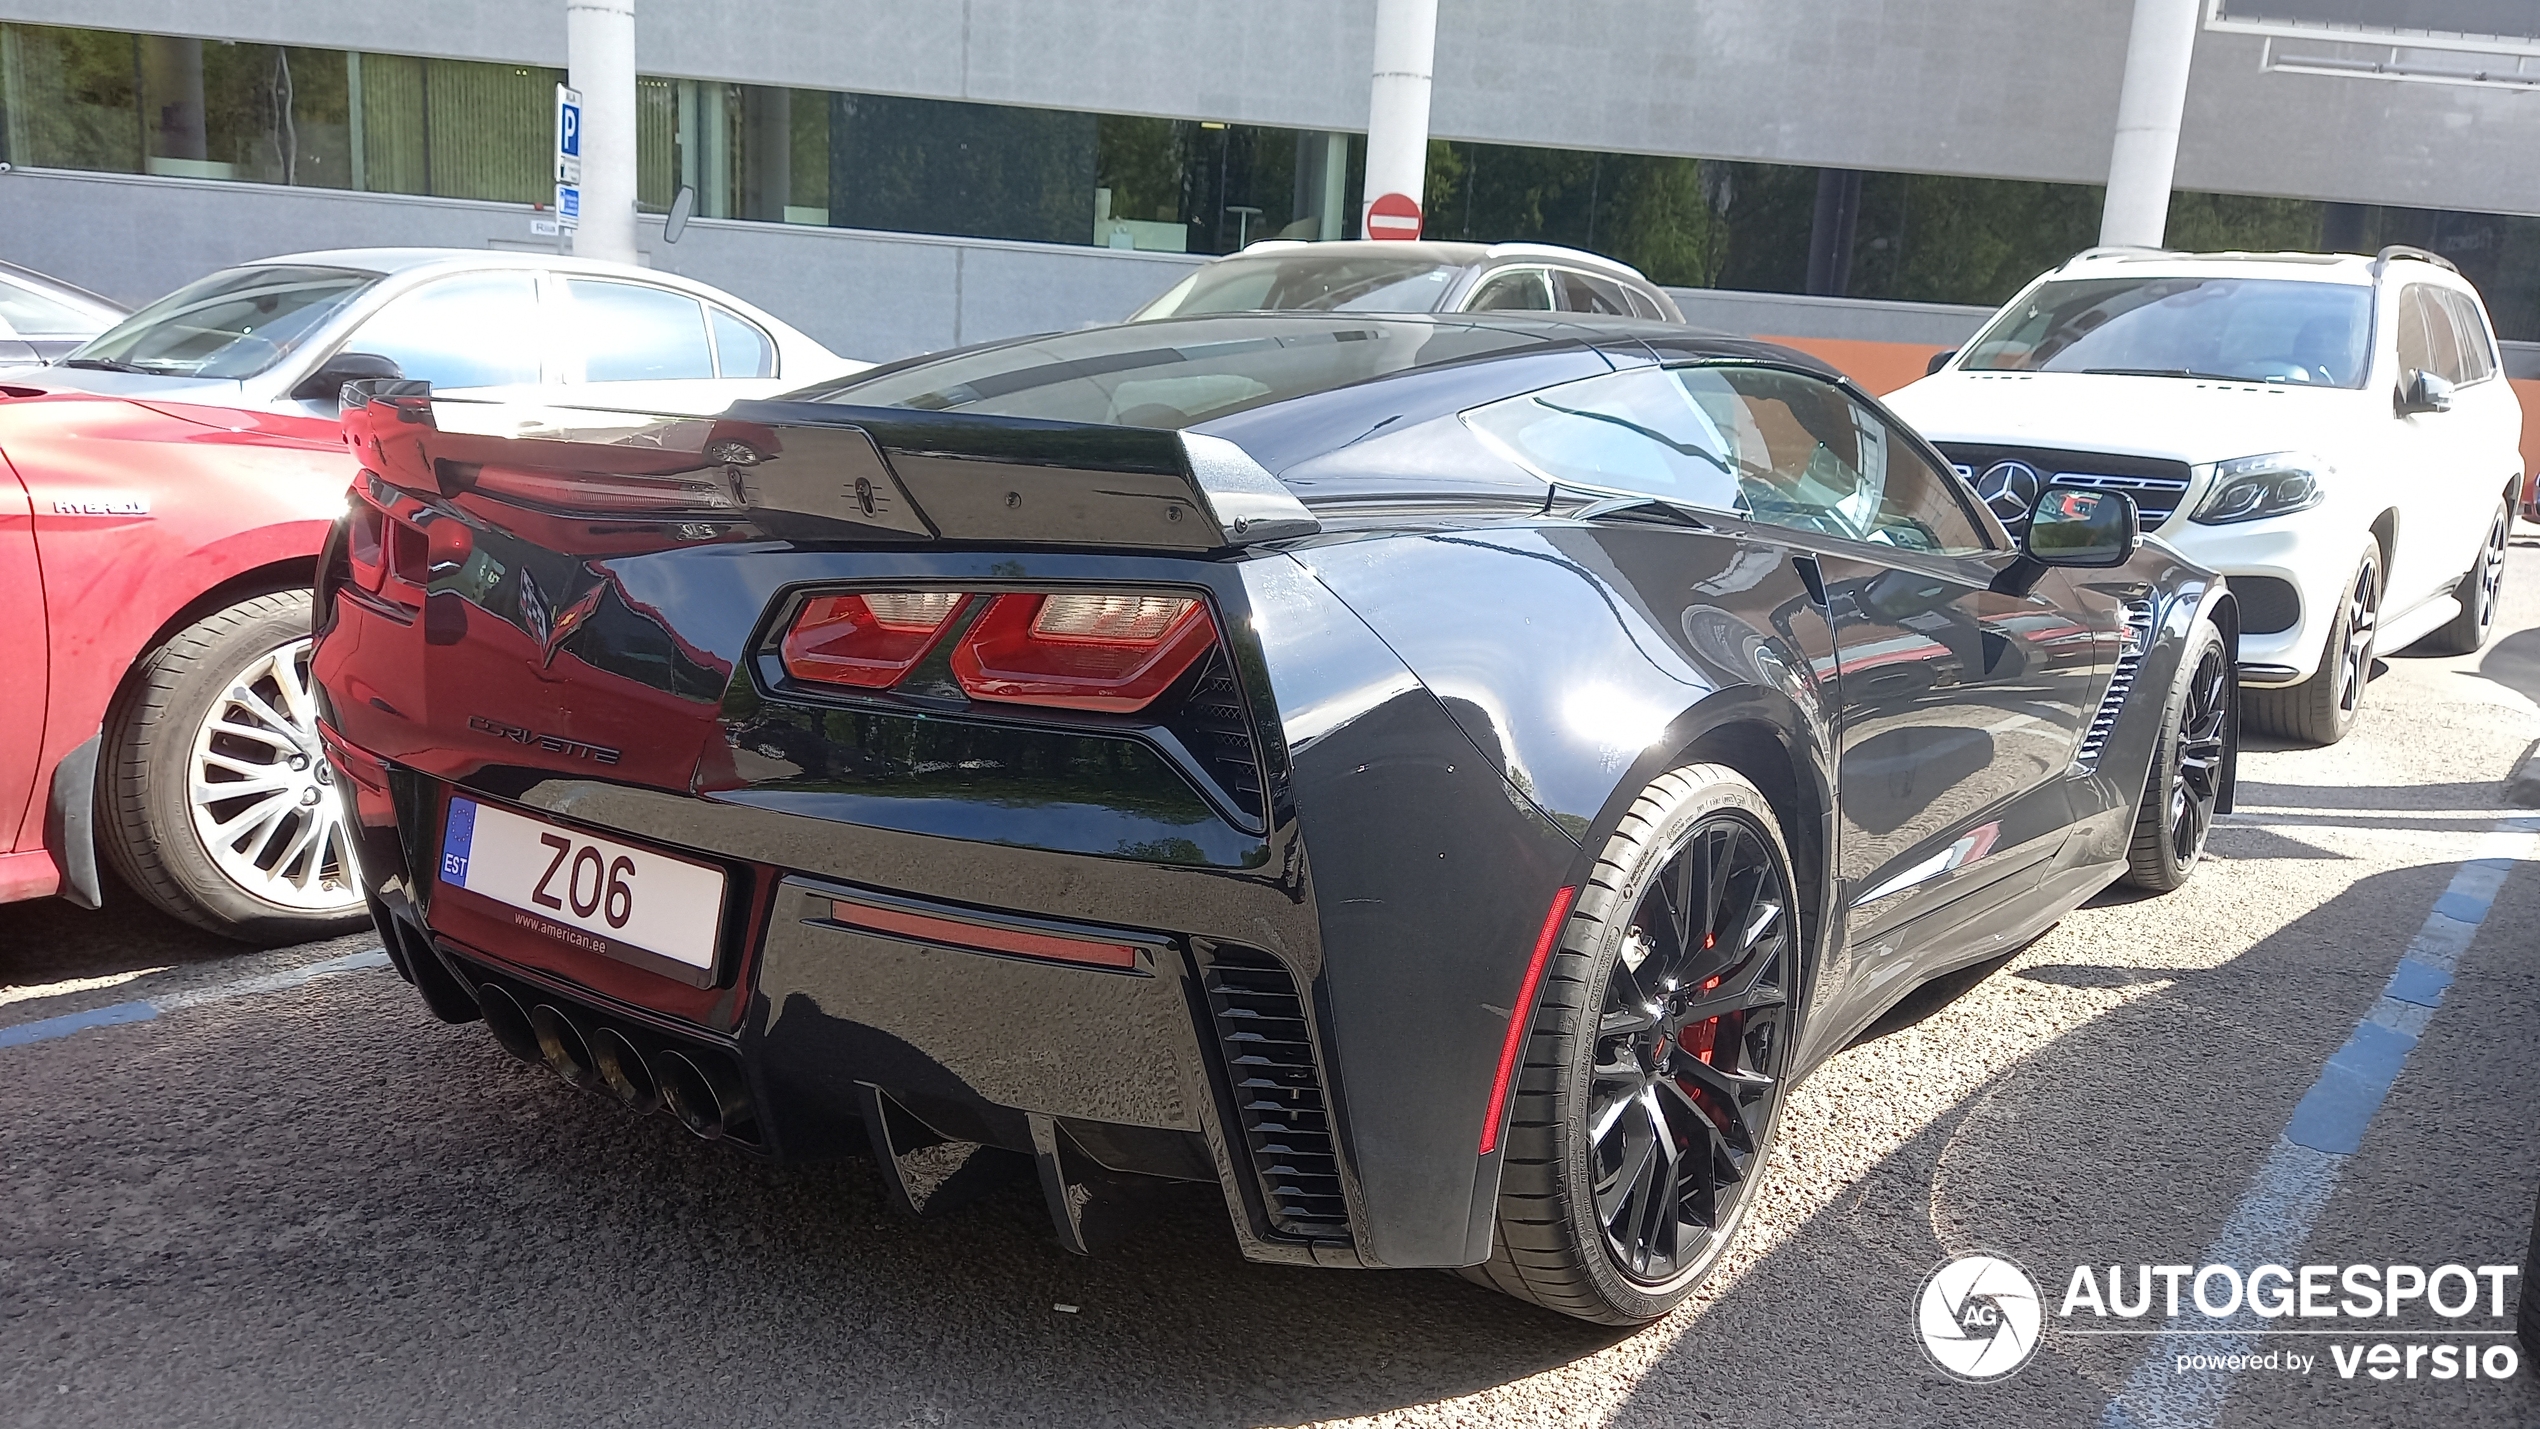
(233, 324)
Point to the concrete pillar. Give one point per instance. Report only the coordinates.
(1398, 102)
(2148, 109)
(600, 60)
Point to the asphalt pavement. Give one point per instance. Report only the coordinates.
(266, 1188)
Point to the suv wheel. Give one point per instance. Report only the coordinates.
(2322, 709)
(215, 801)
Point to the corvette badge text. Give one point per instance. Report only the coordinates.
(1980, 1317)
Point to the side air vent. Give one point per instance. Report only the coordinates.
(1214, 726)
(2138, 638)
(1278, 1095)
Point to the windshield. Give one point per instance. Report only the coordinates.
(1355, 283)
(2243, 329)
(235, 323)
(1132, 376)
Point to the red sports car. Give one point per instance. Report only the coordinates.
(164, 491)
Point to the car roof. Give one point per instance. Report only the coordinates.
(402, 262)
(2352, 268)
(1466, 255)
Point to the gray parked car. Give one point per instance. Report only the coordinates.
(42, 318)
(1379, 276)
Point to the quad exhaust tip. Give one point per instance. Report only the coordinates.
(563, 1046)
(509, 1022)
(623, 1071)
(703, 1092)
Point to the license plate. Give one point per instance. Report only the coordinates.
(593, 893)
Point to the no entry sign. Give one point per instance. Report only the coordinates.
(1394, 216)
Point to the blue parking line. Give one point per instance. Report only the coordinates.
(48, 1029)
(2285, 1198)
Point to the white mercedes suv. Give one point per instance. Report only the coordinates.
(2333, 433)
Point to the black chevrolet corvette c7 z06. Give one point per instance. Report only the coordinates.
(1437, 779)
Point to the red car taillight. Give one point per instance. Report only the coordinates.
(867, 641)
(1109, 652)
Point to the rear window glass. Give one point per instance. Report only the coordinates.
(1128, 376)
(1309, 282)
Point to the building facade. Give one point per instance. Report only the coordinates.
(906, 176)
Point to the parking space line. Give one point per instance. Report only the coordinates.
(2285, 1197)
(47, 1029)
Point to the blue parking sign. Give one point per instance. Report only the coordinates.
(568, 123)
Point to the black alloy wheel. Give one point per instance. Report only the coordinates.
(2354, 658)
(1689, 1050)
(2323, 708)
(2480, 592)
(1652, 1076)
(2185, 781)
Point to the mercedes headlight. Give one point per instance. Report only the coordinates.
(2253, 487)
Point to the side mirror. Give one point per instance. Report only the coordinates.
(2424, 392)
(683, 204)
(327, 383)
(2080, 526)
(1939, 360)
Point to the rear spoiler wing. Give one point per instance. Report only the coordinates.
(884, 473)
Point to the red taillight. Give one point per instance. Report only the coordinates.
(1107, 651)
(868, 641)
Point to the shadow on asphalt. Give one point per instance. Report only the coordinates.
(47, 940)
(2130, 1140)
(333, 1209)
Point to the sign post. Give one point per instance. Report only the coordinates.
(568, 158)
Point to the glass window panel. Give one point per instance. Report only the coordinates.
(2246, 329)
(492, 131)
(1636, 431)
(1522, 291)
(395, 159)
(1587, 293)
(1811, 458)
(1307, 279)
(976, 170)
(633, 332)
(472, 330)
(73, 98)
(740, 349)
(2471, 334)
(235, 323)
(1776, 446)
